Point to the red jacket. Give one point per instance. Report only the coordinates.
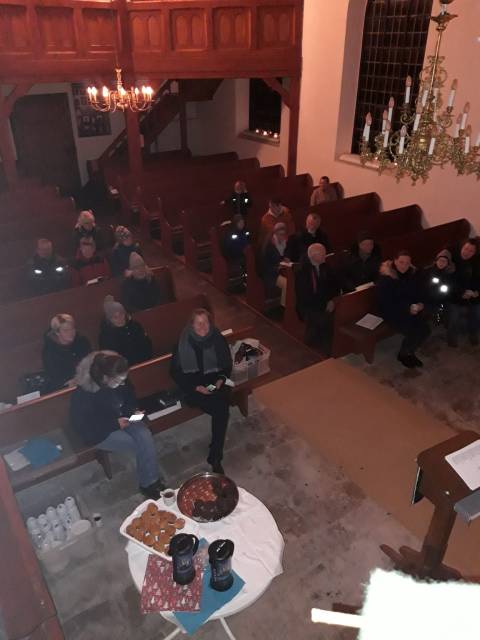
(84, 270)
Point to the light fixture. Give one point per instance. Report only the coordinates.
(120, 98)
(425, 139)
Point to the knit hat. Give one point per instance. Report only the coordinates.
(111, 307)
(85, 216)
(364, 235)
(121, 233)
(136, 260)
(445, 253)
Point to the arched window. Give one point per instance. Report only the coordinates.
(394, 40)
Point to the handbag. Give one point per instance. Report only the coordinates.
(35, 381)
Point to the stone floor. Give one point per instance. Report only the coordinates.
(331, 530)
(445, 386)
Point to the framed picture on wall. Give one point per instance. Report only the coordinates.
(89, 122)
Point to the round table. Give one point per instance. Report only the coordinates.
(257, 558)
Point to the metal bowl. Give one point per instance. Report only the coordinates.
(209, 511)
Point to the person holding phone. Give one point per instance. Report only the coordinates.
(201, 364)
(104, 412)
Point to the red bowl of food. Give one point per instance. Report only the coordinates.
(207, 497)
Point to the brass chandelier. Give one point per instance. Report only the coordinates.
(425, 138)
(120, 98)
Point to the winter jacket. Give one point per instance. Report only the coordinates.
(268, 222)
(396, 292)
(239, 203)
(94, 410)
(46, 275)
(60, 361)
(130, 341)
(84, 270)
(315, 288)
(120, 256)
(298, 244)
(234, 243)
(142, 294)
(433, 282)
(467, 276)
(357, 271)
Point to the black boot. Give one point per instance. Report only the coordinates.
(217, 468)
(407, 360)
(417, 361)
(152, 492)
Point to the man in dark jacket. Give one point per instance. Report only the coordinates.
(120, 333)
(400, 301)
(466, 298)
(361, 263)
(46, 272)
(239, 201)
(312, 234)
(63, 348)
(315, 287)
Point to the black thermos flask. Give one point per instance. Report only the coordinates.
(220, 556)
(183, 547)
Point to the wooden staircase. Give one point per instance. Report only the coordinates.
(166, 107)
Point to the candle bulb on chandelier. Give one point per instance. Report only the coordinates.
(466, 111)
(386, 135)
(453, 91)
(403, 134)
(457, 127)
(468, 133)
(391, 104)
(424, 97)
(408, 89)
(105, 92)
(366, 129)
(384, 120)
(418, 115)
(477, 144)
(431, 148)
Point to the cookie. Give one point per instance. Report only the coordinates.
(158, 546)
(170, 531)
(179, 523)
(152, 508)
(137, 522)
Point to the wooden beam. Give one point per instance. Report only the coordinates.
(7, 152)
(17, 92)
(293, 126)
(275, 85)
(183, 121)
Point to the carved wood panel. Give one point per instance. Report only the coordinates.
(231, 28)
(147, 30)
(276, 26)
(99, 29)
(188, 29)
(13, 29)
(56, 29)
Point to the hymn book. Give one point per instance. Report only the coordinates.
(369, 321)
(466, 463)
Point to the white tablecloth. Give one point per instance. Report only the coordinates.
(258, 550)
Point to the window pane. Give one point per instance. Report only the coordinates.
(265, 107)
(394, 40)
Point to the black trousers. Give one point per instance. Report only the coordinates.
(319, 330)
(415, 331)
(216, 405)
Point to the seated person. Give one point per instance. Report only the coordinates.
(140, 290)
(46, 271)
(325, 192)
(273, 254)
(120, 333)
(466, 298)
(86, 227)
(88, 264)
(124, 246)
(100, 408)
(202, 358)
(312, 234)
(275, 214)
(438, 282)
(316, 286)
(240, 200)
(361, 263)
(63, 348)
(235, 239)
(401, 305)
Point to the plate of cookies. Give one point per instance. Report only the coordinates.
(152, 527)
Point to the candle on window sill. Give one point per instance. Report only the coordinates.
(391, 104)
(384, 120)
(275, 135)
(403, 135)
(386, 135)
(366, 129)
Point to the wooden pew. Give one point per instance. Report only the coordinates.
(50, 415)
(26, 606)
(347, 336)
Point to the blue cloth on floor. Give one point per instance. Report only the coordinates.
(210, 602)
(40, 451)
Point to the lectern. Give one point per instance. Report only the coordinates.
(438, 482)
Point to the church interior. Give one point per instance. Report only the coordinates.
(240, 319)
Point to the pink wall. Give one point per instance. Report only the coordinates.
(332, 34)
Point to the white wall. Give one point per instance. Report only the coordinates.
(332, 33)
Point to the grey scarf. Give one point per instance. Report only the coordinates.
(214, 348)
